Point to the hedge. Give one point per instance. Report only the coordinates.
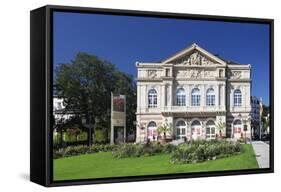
(80, 149)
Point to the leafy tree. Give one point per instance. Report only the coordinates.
(164, 129)
(86, 82)
(220, 126)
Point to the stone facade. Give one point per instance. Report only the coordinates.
(193, 91)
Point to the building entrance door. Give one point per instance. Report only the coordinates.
(237, 129)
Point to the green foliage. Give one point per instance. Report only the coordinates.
(199, 151)
(138, 150)
(164, 129)
(103, 164)
(100, 148)
(56, 138)
(83, 136)
(68, 137)
(58, 153)
(85, 84)
(75, 150)
(80, 149)
(220, 126)
(101, 135)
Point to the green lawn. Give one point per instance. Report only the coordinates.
(103, 164)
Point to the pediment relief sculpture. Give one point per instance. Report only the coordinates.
(195, 59)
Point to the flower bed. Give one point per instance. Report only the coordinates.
(189, 152)
(138, 150)
(198, 151)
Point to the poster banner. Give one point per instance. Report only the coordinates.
(118, 110)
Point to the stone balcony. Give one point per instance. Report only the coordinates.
(184, 109)
(192, 109)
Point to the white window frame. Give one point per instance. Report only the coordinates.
(210, 97)
(212, 130)
(180, 97)
(195, 97)
(152, 98)
(180, 129)
(237, 98)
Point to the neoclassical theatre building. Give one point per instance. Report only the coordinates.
(193, 91)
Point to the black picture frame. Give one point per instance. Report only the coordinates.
(41, 70)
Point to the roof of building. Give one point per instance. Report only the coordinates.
(227, 61)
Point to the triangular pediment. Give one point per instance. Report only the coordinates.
(194, 56)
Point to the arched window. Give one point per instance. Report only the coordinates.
(237, 97)
(180, 128)
(237, 122)
(195, 97)
(152, 131)
(195, 123)
(152, 98)
(210, 97)
(180, 97)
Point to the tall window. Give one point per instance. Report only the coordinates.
(195, 97)
(180, 127)
(237, 98)
(210, 99)
(152, 98)
(210, 130)
(180, 97)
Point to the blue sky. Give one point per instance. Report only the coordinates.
(123, 40)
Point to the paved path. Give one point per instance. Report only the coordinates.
(262, 153)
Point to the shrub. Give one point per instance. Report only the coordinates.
(75, 150)
(168, 148)
(101, 135)
(99, 148)
(198, 151)
(58, 153)
(69, 137)
(56, 138)
(137, 150)
(80, 149)
(83, 136)
(125, 150)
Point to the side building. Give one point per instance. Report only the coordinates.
(256, 117)
(192, 91)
